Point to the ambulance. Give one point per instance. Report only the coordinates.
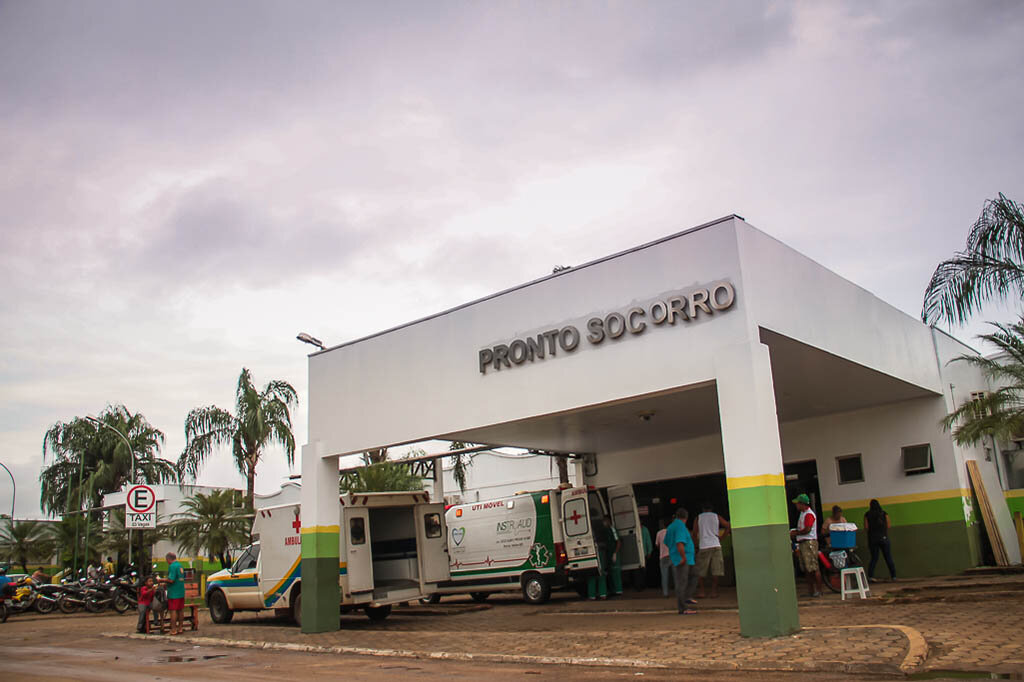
(392, 549)
(535, 542)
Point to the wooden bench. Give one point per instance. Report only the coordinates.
(189, 619)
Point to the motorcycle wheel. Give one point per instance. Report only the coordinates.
(45, 605)
(121, 603)
(66, 605)
(20, 606)
(3, 612)
(93, 605)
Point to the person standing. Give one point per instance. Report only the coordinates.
(877, 524)
(664, 560)
(145, 603)
(681, 552)
(108, 566)
(613, 552)
(175, 582)
(709, 554)
(806, 536)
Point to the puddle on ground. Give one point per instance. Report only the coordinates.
(964, 675)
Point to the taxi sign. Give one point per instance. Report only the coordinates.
(140, 507)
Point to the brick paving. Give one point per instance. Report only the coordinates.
(981, 635)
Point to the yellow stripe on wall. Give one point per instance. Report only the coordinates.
(1013, 493)
(761, 480)
(903, 499)
(320, 529)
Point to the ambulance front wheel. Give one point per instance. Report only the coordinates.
(219, 611)
(432, 599)
(479, 597)
(378, 613)
(536, 589)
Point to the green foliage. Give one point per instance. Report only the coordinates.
(211, 522)
(380, 477)
(90, 461)
(990, 267)
(460, 463)
(261, 418)
(21, 541)
(999, 413)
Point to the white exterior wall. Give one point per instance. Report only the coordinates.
(425, 375)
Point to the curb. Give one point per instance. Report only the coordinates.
(914, 657)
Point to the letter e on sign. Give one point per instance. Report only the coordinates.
(140, 507)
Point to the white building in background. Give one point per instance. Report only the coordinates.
(496, 473)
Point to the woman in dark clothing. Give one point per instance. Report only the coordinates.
(876, 522)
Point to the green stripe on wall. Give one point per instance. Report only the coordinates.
(761, 505)
(912, 513)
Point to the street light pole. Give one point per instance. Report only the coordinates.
(131, 453)
(14, 489)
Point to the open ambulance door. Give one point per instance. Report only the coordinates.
(580, 547)
(626, 519)
(359, 558)
(432, 535)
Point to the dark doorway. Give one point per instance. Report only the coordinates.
(802, 477)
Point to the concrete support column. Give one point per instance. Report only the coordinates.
(321, 564)
(765, 585)
(438, 495)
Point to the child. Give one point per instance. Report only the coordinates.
(146, 592)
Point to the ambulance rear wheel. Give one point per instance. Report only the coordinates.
(219, 611)
(479, 597)
(432, 599)
(536, 589)
(378, 613)
(297, 609)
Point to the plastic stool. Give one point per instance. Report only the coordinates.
(862, 582)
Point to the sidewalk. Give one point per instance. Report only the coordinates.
(909, 626)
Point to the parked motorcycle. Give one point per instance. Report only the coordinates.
(72, 596)
(106, 595)
(46, 597)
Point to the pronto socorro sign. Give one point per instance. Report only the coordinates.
(680, 307)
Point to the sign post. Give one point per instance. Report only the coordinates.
(140, 508)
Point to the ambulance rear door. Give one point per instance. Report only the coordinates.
(358, 557)
(580, 547)
(626, 519)
(432, 536)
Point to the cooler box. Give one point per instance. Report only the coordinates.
(843, 535)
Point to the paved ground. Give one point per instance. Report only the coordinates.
(967, 624)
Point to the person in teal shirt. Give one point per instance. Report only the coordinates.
(684, 568)
(175, 582)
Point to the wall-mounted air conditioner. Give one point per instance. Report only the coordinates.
(917, 458)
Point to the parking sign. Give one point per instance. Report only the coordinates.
(140, 507)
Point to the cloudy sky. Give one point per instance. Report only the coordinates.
(185, 186)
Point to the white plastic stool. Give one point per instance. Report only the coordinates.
(862, 582)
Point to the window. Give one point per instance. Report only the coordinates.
(248, 559)
(357, 531)
(575, 517)
(622, 512)
(432, 524)
(850, 468)
(917, 459)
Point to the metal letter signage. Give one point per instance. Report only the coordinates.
(140, 507)
(682, 307)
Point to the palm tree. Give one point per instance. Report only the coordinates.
(90, 461)
(999, 413)
(68, 537)
(261, 418)
(991, 266)
(380, 477)
(114, 541)
(24, 540)
(211, 522)
(460, 462)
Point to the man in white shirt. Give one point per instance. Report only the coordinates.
(709, 553)
(664, 561)
(806, 536)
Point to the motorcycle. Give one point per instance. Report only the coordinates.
(25, 595)
(128, 589)
(72, 597)
(46, 597)
(105, 595)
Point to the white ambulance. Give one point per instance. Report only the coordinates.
(536, 541)
(392, 549)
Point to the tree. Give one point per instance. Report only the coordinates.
(462, 461)
(382, 476)
(90, 461)
(68, 536)
(999, 413)
(24, 540)
(261, 418)
(213, 523)
(114, 541)
(991, 266)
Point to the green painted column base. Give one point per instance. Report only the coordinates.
(765, 583)
(321, 595)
